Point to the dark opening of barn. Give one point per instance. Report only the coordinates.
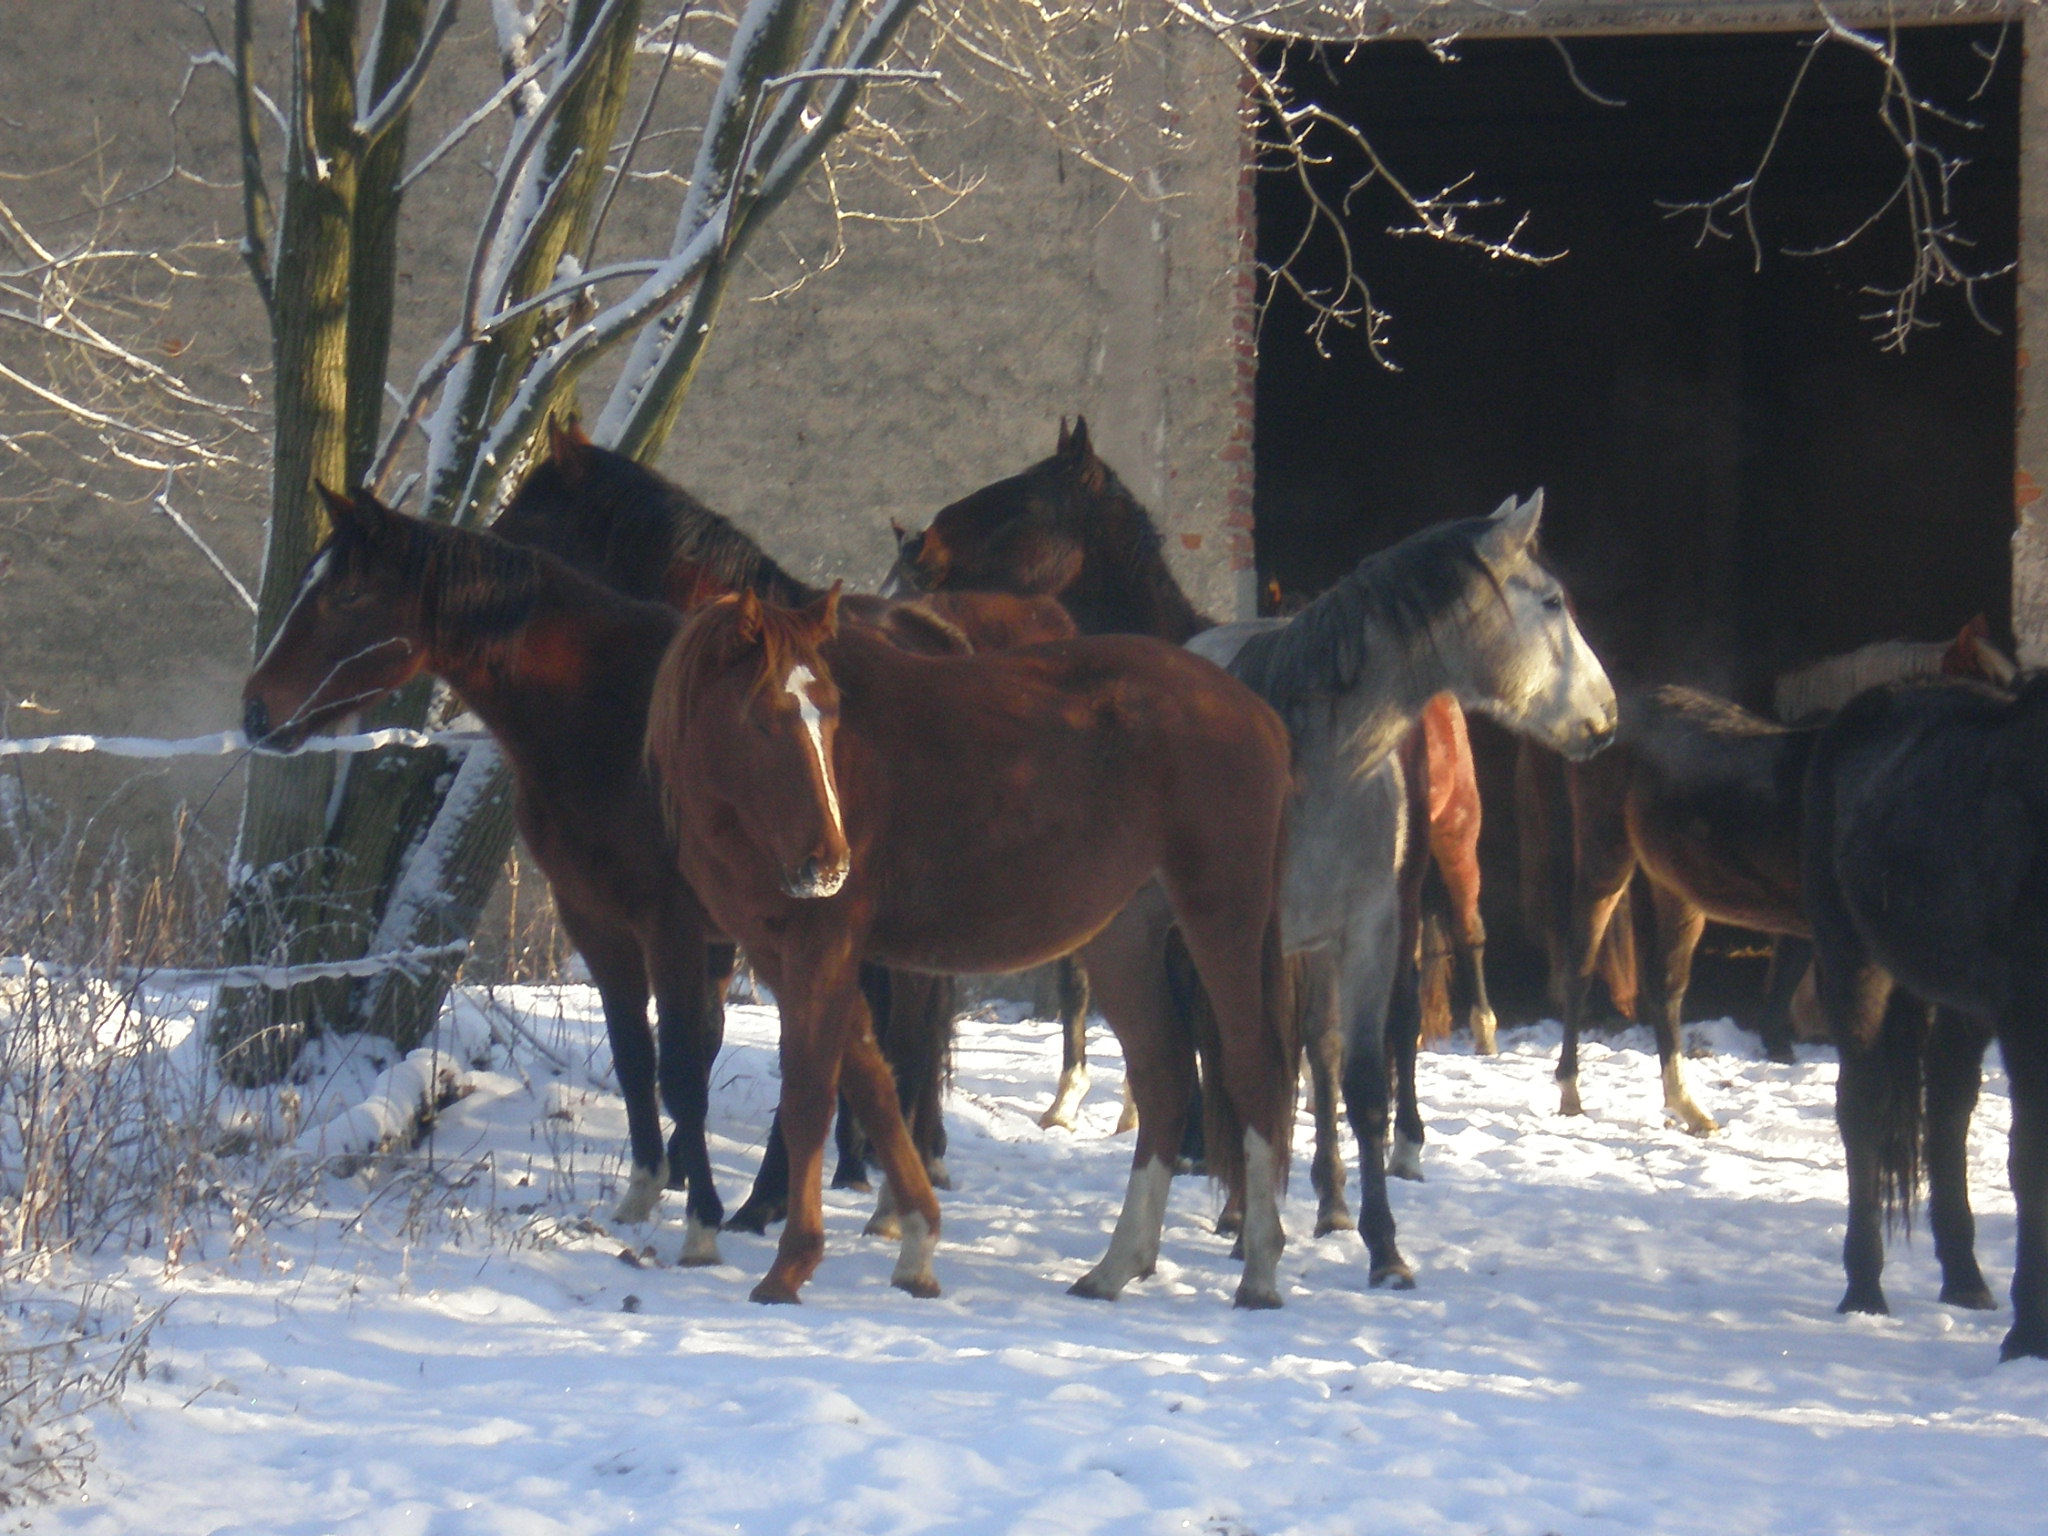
(1748, 468)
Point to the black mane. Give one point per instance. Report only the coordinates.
(612, 517)
(1321, 653)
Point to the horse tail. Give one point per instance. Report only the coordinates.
(1280, 998)
(1897, 1072)
(1222, 1127)
(1617, 961)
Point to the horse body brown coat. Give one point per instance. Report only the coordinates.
(992, 812)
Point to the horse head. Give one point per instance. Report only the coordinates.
(1529, 666)
(743, 724)
(559, 508)
(355, 631)
(1024, 535)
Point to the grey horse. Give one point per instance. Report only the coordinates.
(1462, 608)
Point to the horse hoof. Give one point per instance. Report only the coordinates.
(772, 1292)
(1092, 1287)
(1405, 1161)
(700, 1246)
(1696, 1123)
(1057, 1119)
(1975, 1297)
(923, 1287)
(1334, 1221)
(1190, 1168)
(938, 1174)
(1870, 1301)
(755, 1218)
(2025, 1342)
(1393, 1277)
(1485, 1035)
(854, 1181)
(643, 1194)
(1237, 1248)
(1127, 1121)
(1230, 1224)
(1568, 1100)
(883, 1225)
(1256, 1298)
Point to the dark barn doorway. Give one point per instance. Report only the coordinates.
(1739, 479)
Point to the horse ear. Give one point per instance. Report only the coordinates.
(361, 516)
(1076, 444)
(1065, 439)
(823, 615)
(569, 445)
(748, 629)
(1514, 524)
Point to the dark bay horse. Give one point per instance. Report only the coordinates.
(836, 798)
(560, 669)
(1926, 871)
(1704, 798)
(612, 517)
(1068, 526)
(1462, 609)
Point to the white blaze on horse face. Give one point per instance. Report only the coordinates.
(315, 574)
(801, 679)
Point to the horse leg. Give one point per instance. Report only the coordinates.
(1679, 926)
(619, 971)
(914, 1212)
(1404, 1013)
(1954, 1074)
(919, 1034)
(816, 1012)
(1791, 958)
(1602, 862)
(1321, 1033)
(849, 1136)
(1073, 1084)
(1127, 969)
(1240, 961)
(692, 1028)
(1454, 845)
(1365, 982)
(1856, 1000)
(2026, 1068)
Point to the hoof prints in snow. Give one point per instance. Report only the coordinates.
(1619, 1328)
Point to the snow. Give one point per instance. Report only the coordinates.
(1619, 1328)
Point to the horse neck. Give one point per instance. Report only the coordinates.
(1126, 587)
(570, 684)
(1402, 672)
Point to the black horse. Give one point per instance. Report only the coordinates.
(1926, 872)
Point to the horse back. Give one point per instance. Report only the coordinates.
(1929, 812)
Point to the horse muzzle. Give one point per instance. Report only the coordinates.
(1590, 737)
(260, 732)
(816, 880)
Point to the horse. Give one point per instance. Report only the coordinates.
(834, 798)
(1067, 525)
(1925, 819)
(1463, 608)
(1704, 798)
(560, 669)
(614, 518)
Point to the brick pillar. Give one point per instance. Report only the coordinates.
(1244, 342)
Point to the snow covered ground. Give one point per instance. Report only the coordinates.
(1618, 1329)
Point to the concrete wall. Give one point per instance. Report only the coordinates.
(922, 365)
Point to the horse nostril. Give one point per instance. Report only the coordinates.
(255, 721)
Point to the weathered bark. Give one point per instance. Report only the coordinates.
(275, 914)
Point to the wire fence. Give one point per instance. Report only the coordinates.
(415, 961)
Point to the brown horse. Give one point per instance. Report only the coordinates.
(560, 669)
(1067, 526)
(614, 518)
(1704, 798)
(836, 798)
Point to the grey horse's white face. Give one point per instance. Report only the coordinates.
(1531, 668)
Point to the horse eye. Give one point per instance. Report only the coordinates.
(1553, 604)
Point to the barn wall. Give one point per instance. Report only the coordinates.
(924, 364)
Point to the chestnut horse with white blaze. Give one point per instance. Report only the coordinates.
(834, 799)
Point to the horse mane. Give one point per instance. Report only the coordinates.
(1123, 533)
(1322, 651)
(1828, 684)
(476, 591)
(711, 636)
(651, 523)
